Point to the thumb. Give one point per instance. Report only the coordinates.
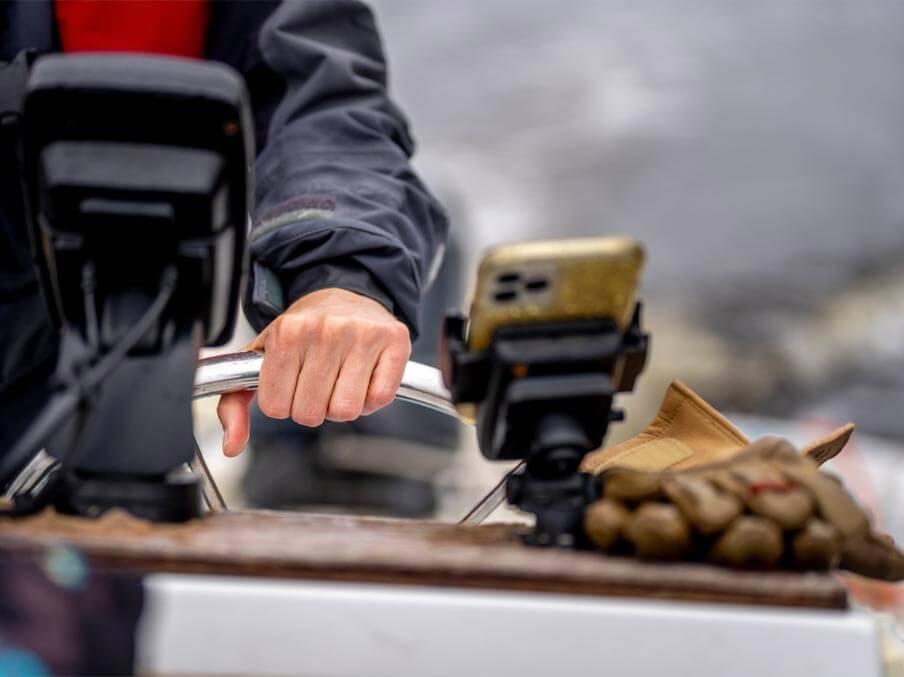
(233, 414)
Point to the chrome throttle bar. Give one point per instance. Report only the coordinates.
(421, 384)
(220, 374)
(232, 372)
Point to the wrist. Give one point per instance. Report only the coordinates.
(337, 276)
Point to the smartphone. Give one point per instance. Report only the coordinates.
(554, 281)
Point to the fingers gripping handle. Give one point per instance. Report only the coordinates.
(421, 384)
(233, 372)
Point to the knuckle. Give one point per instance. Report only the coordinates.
(271, 407)
(399, 332)
(285, 333)
(370, 330)
(280, 325)
(300, 327)
(336, 327)
(312, 326)
(344, 410)
(381, 395)
(308, 416)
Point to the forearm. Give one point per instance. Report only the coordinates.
(338, 204)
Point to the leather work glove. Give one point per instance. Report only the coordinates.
(766, 506)
(689, 432)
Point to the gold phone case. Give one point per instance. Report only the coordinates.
(554, 280)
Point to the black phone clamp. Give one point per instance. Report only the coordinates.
(544, 393)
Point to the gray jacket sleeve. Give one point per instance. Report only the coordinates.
(337, 203)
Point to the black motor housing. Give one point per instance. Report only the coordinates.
(137, 174)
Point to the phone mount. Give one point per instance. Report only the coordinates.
(137, 174)
(544, 393)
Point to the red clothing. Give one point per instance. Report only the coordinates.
(176, 27)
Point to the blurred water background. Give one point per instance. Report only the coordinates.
(755, 148)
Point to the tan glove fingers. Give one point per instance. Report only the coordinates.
(705, 506)
(767, 492)
(874, 555)
(788, 504)
(816, 546)
(835, 505)
(631, 485)
(727, 482)
(658, 530)
(750, 541)
(761, 475)
(604, 522)
(790, 509)
(767, 506)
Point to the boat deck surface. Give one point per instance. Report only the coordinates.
(343, 548)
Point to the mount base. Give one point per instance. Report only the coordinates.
(174, 498)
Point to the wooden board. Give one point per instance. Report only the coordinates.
(321, 547)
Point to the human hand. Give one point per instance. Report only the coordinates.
(332, 355)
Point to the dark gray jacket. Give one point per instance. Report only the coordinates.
(337, 203)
